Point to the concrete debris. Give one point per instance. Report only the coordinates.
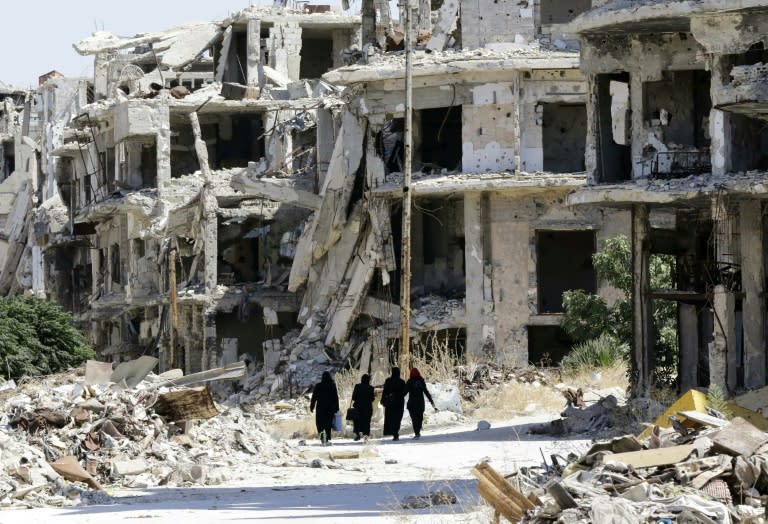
(668, 477)
(147, 436)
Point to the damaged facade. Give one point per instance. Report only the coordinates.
(207, 197)
(676, 136)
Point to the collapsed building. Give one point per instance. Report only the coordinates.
(232, 190)
(677, 137)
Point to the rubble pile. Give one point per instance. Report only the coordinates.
(489, 375)
(64, 429)
(704, 469)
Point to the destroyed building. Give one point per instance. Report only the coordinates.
(231, 190)
(677, 137)
(499, 139)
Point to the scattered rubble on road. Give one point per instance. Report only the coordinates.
(702, 469)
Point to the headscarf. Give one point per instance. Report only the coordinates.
(326, 379)
(395, 372)
(415, 373)
(365, 379)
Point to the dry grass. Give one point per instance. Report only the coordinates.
(601, 378)
(500, 402)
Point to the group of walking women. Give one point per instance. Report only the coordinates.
(325, 404)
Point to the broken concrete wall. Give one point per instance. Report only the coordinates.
(493, 23)
(650, 61)
(490, 129)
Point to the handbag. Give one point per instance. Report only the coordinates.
(352, 414)
(386, 400)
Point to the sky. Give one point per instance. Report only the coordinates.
(37, 37)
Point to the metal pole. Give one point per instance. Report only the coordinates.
(174, 307)
(405, 285)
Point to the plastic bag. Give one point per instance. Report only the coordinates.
(337, 422)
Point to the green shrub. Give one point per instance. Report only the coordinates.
(37, 337)
(602, 352)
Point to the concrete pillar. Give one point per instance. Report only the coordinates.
(753, 284)
(325, 143)
(722, 350)
(100, 76)
(593, 129)
(368, 15)
(636, 103)
(163, 138)
(211, 243)
(474, 263)
(511, 265)
(642, 310)
(253, 35)
(688, 326)
(720, 121)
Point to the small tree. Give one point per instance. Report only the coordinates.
(588, 317)
(37, 337)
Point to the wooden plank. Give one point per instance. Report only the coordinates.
(651, 458)
(704, 419)
(739, 438)
(498, 501)
(501, 483)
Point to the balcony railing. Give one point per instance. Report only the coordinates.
(676, 164)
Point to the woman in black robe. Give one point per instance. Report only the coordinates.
(393, 400)
(416, 389)
(362, 401)
(326, 398)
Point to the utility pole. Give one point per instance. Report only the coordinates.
(405, 279)
(174, 306)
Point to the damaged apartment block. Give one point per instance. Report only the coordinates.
(677, 138)
(232, 190)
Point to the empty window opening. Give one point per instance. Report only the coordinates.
(239, 250)
(437, 138)
(547, 345)
(679, 106)
(8, 159)
(304, 158)
(240, 140)
(438, 261)
(676, 108)
(563, 263)
(316, 56)
(749, 143)
(107, 168)
(615, 153)
(236, 61)
(564, 137)
(389, 144)
(115, 264)
(183, 156)
(148, 169)
(559, 12)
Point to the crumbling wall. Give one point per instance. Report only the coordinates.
(490, 129)
(485, 23)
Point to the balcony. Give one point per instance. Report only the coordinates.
(676, 164)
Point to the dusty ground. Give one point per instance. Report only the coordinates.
(368, 489)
